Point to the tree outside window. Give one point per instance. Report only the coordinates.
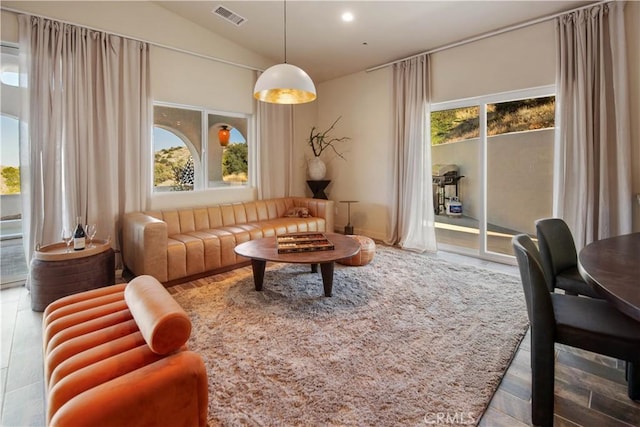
(521, 115)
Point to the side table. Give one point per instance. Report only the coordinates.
(318, 187)
(56, 272)
(348, 229)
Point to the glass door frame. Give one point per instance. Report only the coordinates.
(12, 230)
(482, 102)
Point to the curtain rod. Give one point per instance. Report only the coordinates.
(489, 34)
(163, 46)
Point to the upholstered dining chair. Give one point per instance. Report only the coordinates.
(586, 323)
(560, 259)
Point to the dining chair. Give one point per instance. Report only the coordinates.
(586, 323)
(560, 259)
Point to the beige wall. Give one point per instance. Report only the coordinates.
(519, 177)
(142, 20)
(516, 60)
(364, 100)
(519, 59)
(189, 80)
(175, 77)
(304, 118)
(8, 27)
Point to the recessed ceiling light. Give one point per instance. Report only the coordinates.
(347, 17)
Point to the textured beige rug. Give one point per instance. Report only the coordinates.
(406, 340)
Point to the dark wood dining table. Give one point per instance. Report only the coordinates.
(612, 267)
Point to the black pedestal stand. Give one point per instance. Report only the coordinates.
(348, 229)
(317, 188)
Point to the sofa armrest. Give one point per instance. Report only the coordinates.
(171, 391)
(144, 246)
(319, 208)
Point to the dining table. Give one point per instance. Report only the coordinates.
(612, 267)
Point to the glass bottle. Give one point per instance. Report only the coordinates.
(79, 236)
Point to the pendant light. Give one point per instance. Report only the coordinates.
(284, 83)
(223, 135)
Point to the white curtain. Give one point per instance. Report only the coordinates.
(412, 216)
(87, 150)
(593, 154)
(275, 147)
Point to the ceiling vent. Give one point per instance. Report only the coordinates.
(229, 15)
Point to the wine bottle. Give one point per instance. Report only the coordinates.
(79, 236)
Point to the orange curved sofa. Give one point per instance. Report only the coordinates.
(117, 356)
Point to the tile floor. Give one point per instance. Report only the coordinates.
(590, 389)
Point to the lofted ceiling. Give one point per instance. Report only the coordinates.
(382, 31)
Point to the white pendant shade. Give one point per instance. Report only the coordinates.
(284, 84)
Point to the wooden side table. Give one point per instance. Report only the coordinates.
(56, 272)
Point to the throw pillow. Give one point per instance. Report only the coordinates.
(298, 212)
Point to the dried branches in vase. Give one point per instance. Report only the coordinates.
(320, 141)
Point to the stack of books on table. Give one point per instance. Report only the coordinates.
(303, 242)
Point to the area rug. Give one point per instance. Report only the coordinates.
(409, 339)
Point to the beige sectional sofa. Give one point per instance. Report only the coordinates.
(182, 244)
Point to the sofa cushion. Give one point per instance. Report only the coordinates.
(163, 323)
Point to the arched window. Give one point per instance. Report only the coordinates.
(177, 144)
(228, 161)
(173, 168)
(235, 164)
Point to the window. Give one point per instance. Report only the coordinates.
(11, 216)
(173, 162)
(188, 151)
(522, 115)
(177, 147)
(10, 169)
(9, 126)
(228, 162)
(454, 125)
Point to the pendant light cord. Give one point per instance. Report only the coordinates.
(285, 31)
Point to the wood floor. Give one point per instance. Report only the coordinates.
(590, 390)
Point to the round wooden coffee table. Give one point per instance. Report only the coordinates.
(262, 250)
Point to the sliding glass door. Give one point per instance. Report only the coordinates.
(13, 264)
(502, 148)
(455, 142)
